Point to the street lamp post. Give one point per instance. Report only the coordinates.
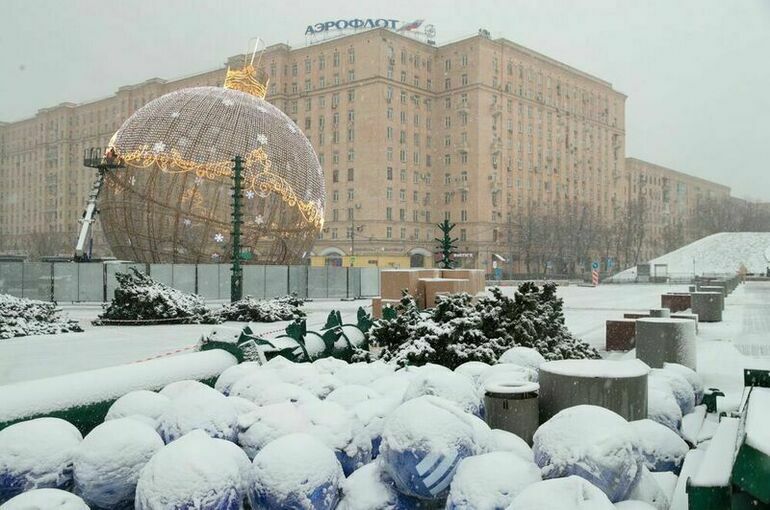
(236, 278)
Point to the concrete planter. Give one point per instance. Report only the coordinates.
(660, 341)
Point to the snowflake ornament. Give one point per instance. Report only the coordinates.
(262, 109)
(198, 180)
(215, 255)
(250, 194)
(262, 139)
(132, 180)
(259, 220)
(175, 115)
(219, 237)
(228, 102)
(158, 147)
(187, 222)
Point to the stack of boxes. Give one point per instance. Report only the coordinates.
(425, 284)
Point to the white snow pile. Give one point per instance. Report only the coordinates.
(195, 471)
(45, 499)
(490, 481)
(569, 493)
(139, 403)
(108, 461)
(199, 408)
(250, 309)
(592, 442)
(23, 317)
(295, 471)
(37, 454)
(715, 254)
(662, 448)
(449, 385)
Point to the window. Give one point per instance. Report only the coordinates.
(350, 174)
(447, 159)
(351, 75)
(351, 116)
(447, 65)
(334, 233)
(308, 103)
(403, 175)
(448, 121)
(388, 213)
(294, 69)
(390, 72)
(351, 134)
(403, 232)
(447, 83)
(403, 96)
(463, 196)
(390, 113)
(321, 123)
(307, 123)
(402, 156)
(335, 195)
(403, 76)
(389, 193)
(336, 118)
(463, 235)
(307, 65)
(447, 178)
(464, 79)
(389, 133)
(402, 214)
(351, 155)
(464, 158)
(389, 153)
(403, 117)
(335, 136)
(351, 56)
(336, 59)
(415, 198)
(322, 101)
(336, 157)
(464, 60)
(335, 215)
(389, 233)
(402, 195)
(463, 215)
(389, 175)
(321, 62)
(351, 194)
(351, 95)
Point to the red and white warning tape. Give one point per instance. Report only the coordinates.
(169, 353)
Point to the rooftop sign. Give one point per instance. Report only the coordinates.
(326, 27)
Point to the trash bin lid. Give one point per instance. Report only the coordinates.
(511, 389)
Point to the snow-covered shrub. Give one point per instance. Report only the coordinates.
(490, 481)
(201, 409)
(139, 403)
(695, 380)
(662, 448)
(141, 300)
(295, 471)
(423, 441)
(569, 493)
(473, 370)
(679, 387)
(22, 317)
(272, 392)
(195, 471)
(458, 330)
(591, 442)
(108, 461)
(523, 356)
(662, 408)
(449, 385)
(37, 454)
(235, 373)
(46, 499)
(249, 309)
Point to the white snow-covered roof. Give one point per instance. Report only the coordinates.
(721, 253)
(597, 368)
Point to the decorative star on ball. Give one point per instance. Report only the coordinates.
(259, 220)
(262, 139)
(187, 222)
(199, 180)
(249, 194)
(219, 237)
(158, 147)
(132, 180)
(215, 255)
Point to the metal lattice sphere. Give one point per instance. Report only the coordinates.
(172, 201)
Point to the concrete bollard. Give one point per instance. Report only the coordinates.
(718, 290)
(707, 305)
(676, 302)
(661, 341)
(660, 312)
(619, 334)
(689, 316)
(620, 386)
(512, 406)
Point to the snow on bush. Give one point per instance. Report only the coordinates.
(569, 493)
(46, 499)
(364, 373)
(592, 442)
(458, 330)
(22, 317)
(141, 300)
(695, 380)
(662, 448)
(523, 356)
(449, 385)
(36, 454)
(139, 403)
(249, 309)
(490, 481)
(203, 409)
(108, 461)
(677, 384)
(423, 441)
(295, 471)
(194, 471)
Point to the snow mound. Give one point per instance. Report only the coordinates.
(504, 441)
(715, 254)
(140, 402)
(633, 505)
(523, 356)
(473, 370)
(366, 489)
(372, 414)
(677, 384)
(351, 395)
(662, 448)
(490, 481)
(507, 372)
(295, 471)
(23, 317)
(695, 380)
(268, 423)
(329, 365)
(36, 454)
(424, 440)
(234, 374)
(662, 408)
(206, 410)
(648, 490)
(340, 430)
(109, 459)
(45, 499)
(592, 442)
(570, 493)
(195, 471)
(448, 385)
(305, 375)
(363, 373)
(271, 393)
(177, 388)
(394, 384)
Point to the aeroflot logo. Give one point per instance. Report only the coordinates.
(343, 24)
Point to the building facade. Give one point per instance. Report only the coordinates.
(476, 131)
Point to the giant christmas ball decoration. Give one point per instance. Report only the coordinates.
(172, 201)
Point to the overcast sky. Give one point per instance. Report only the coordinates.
(696, 72)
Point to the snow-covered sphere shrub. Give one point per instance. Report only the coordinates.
(393, 385)
(523, 356)
(473, 370)
(241, 405)
(108, 461)
(490, 481)
(268, 423)
(174, 389)
(680, 387)
(305, 375)
(352, 395)
(504, 441)
(200, 409)
(272, 393)
(340, 430)
(195, 471)
(448, 385)
(295, 471)
(234, 374)
(45, 499)
(662, 408)
(423, 441)
(569, 493)
(591, 442)
(37, 454)
(695, 380)
(369, 488)
(662, 448)
(363, 373)
(647, 489)
(329, 365)
(139, 402)
(372, 414)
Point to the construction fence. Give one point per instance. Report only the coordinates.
(95, 282)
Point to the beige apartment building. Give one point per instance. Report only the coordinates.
(668, 200)
(408, 134)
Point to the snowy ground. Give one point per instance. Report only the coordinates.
(740, 341)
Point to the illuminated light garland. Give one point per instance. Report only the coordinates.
(258, 176)
(246, 80)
